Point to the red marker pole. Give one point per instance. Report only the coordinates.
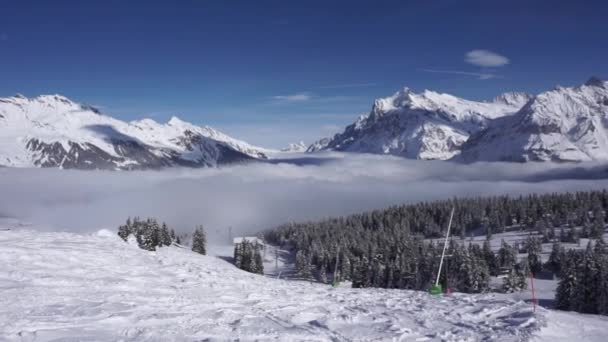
(532, 288)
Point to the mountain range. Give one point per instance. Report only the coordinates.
(563, 124)
(53, 131)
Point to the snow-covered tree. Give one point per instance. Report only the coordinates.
(567, 285)
(199, 240)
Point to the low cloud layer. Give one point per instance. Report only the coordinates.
(252, 197)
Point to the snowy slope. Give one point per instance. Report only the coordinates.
(62, 286)
(428, 125)
(53, 131)
(564, 124)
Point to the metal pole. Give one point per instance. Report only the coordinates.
(276, 259)
(445, 245)
(336, 267)
(533, 293)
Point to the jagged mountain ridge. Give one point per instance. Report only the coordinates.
(54, 131)
(564, 124)
(428, 125)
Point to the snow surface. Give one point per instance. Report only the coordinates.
(63, 286)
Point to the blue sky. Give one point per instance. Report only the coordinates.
(273, 72)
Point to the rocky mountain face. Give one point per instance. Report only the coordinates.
(564, 124)
(428, 125)
(53, 131)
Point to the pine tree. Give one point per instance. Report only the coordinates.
(345, 268)
(523, 272)
(199, 241)
(567, 284)
(303, 268)
(148, 237)
(555, 258)
(238, 255)
(587, 290)
(165, 235)
(125, 230)
(510, 282)
(602, 304)
(490, 259)
(534, 262)
(258, 261)
(506, 256)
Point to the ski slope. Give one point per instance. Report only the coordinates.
(69, 287)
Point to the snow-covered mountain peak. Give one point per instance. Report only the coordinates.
(426, 125)
(295, 147)
(177, 122)
(54, 131)
(513, 98)
(400, 99)
(596, 82)
(563, 124)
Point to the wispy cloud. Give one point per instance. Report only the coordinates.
(348, 85)
(485, 58)
(299, 97)
(311, 98)
(480, 75)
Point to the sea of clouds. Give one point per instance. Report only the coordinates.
(258, 196)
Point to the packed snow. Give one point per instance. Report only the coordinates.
(71, 287)
(98, 287)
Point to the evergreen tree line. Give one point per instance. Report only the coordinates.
(248, 256)
(150, 235)
(387, 248)
(486, 215)
(583, 274)
(413, 264)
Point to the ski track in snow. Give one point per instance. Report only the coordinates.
(69, 287)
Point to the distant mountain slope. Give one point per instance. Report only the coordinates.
(295, 147)
(428, 125)
(53, 131)
(564, 124)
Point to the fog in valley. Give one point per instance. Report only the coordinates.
(258, 196)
